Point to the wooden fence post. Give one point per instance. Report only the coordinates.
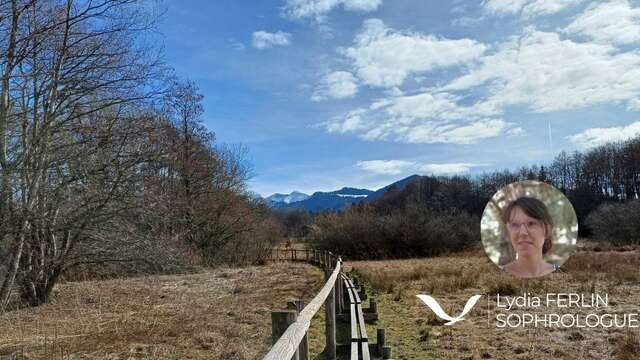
(380, 341)
(303, 349)
(386, 353)
(330, 322)
(342, 289)
(280, 321)
(338, 290)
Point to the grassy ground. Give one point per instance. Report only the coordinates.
(217, 314)
(415, 333)
(225, 313)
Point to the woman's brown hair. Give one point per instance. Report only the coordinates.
(537, 210)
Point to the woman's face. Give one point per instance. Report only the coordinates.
(527, 234)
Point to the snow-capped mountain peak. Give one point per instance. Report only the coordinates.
(295, 196)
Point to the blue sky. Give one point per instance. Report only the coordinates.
(333, 93)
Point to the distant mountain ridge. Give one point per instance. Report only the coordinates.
(335, 200)
(294, 196)
(398, 185)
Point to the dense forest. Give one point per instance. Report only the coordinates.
(104, 158)
(434, 215)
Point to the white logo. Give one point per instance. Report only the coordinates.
(437, 309)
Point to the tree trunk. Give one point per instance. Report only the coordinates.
(7, 284)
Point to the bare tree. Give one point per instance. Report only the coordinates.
(69, 100)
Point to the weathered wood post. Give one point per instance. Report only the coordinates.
(280, 321)
(380, 341)
(342, 289)
(338, 287)
(330, 321)
(303, 349)
(373, 305)
(386, 353)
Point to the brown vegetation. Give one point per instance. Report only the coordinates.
(616, 223)
(363, 232)
(103, 156)
(218, 314)
(416, 333)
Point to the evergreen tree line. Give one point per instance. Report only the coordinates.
(104, 160)
(435, 215)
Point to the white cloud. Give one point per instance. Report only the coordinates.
(500, 7)
(470, 133)
(351, 122)
(318, 9)
(614, 21)
(264, 39)
(397, 167)
(385, 57)
(466, 21)
(422, 118)
(336, 85)
(547, 7)
(516, 131)
(599, 136)
(633, 105)
(385, 167)
(528, 8)
(444, 169)
(442, 106)
(545, 73)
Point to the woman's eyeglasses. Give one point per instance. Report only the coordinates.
(532, 226)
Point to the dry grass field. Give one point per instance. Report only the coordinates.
(217, 314)
(225, 313)
(415, 333)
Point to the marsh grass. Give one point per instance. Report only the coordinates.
(628, 347)
(416, 333)
(216, 314)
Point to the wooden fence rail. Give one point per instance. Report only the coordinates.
(290, 327)
(287, 345)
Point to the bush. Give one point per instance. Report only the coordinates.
(361, 233)
(617, 223)
(251, 247)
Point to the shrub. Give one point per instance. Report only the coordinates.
(361, 233)
(617, 223)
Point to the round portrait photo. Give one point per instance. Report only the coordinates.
(529, 229)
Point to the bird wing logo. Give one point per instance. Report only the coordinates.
(437, 309)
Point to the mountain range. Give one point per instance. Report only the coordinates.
(295, 196)
(333, 200)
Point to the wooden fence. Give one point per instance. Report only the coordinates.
(290, 327)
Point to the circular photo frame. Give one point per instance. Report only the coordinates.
(529, 229)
